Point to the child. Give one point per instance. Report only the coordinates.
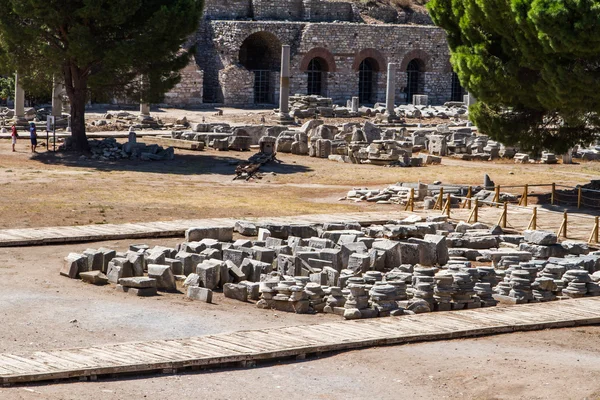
(33, 136)
(14, 136)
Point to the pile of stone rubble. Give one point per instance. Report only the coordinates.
(124, 119)
(109, 149)
(302, 106)
(400, 192)
(401, 267)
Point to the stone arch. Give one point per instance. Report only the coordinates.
(379, 65)
(417, 54)
(322, 54)
(261, 51)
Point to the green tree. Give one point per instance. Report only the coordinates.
(100, 46)
(534, 66)
(7, 87)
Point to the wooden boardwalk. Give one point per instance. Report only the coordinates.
(247, 347)
(96, 233)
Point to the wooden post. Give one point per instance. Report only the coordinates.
(533, 221)
(564, 226)
(411, 201)
(504, 215)
(469, 195)
(525, 194)
(497, 196)
(439, 204)
(474, 214)
(448, 205)
(579, 197)
(595, 231)
(553, 196)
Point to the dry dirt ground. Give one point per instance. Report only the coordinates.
(52, 189)
(41, 310)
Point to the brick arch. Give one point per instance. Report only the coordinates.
(370, 53)
(416, 54)
(322, 53)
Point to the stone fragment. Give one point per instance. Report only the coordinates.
(253, 289)
(236, 274)
(94, 277)
(540, 237)
(223, 234)
(235, 291)
(165, 279)
(137, 262)
(191, 280)
(245, 228)
(199, 293)
(95, 259)
(73, 265)
(210, 273)
(139, 282)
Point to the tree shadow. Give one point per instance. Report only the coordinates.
(201, 163)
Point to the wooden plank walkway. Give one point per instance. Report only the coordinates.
(247, 347)
(96, 233)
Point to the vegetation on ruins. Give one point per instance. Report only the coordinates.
(532, 64)
(98, 46)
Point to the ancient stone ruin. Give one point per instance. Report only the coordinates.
(403, 267)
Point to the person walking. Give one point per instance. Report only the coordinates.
(14, 135)
(33, 136)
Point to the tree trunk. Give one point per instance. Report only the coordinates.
(76, 87)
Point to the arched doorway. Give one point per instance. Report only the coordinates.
(316, 77)
(414, 79)
(458, 91)
(367, 79)
(261, 54)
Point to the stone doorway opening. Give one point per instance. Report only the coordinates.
(457, 90)
(367, 80)
(261, 54)
(415, 80)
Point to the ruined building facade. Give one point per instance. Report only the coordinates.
(333, 55)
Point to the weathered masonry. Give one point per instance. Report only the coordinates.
(239, 50)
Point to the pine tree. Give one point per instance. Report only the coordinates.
(106, 46)
(533, 64)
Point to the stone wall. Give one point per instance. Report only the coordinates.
(322, 11)
(188, 92)
(227, 9)
(277, 10)
(280, 10)
(241, 89)
(341, 45)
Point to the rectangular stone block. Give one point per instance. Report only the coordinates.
(95, 259)
(74, 264)
(199, 293)
(235, 256)
(137, 261)
(223, 234)
(358, 262)
(210, 274)
(334, 256)
(108, 255)
(235, 291)
(235, 273)
(94, 277)
(289, 265)
(392, 251)
(409, 253)
(176, 266)
(253, 289)
(138, 282)
(165, 279)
